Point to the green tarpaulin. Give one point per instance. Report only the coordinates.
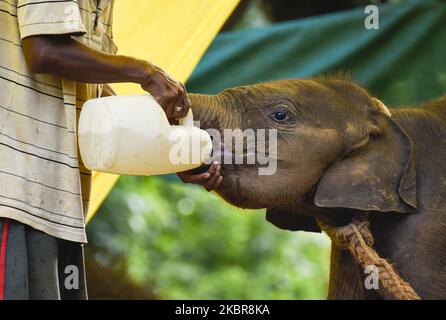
(403, 62)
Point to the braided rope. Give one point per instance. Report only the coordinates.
(358, 239)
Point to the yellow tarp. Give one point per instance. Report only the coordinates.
(173, 34)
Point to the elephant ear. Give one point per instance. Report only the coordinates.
(291, 220)
(379, 175)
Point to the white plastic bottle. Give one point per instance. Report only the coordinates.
(130, 135)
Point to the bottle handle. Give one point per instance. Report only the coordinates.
(188, 120)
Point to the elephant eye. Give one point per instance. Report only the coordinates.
(280, 115)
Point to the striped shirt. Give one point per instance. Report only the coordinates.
(43, 181)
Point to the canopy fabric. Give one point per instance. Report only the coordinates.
(403, 62)
(172, 34)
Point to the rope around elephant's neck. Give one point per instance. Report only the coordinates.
(358, 239)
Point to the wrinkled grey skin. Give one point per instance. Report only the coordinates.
(338, 154)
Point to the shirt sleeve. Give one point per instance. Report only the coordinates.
(50, 17)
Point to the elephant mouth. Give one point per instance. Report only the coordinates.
(234, 186)
(231, 159)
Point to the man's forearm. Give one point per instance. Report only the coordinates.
(66, 58)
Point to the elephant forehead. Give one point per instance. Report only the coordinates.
(276, 88)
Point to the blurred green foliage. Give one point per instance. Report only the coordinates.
(184, 243)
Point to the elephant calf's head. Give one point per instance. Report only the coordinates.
(334, 142)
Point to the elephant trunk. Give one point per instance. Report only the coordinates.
(210, 110)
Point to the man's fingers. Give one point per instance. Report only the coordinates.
(218, 183)
(214, 186)
(180, 109)
(182, 103)
(186, 103)
(213, 180)
(212, 168)
(170, 95)
(194, 178)
(186, 100)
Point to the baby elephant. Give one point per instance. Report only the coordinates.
(341, 152)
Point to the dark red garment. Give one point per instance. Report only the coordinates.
(3, 247)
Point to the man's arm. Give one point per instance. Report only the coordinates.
(66, 58)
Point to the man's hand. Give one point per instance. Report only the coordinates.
(210, 180)
(168, 92)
